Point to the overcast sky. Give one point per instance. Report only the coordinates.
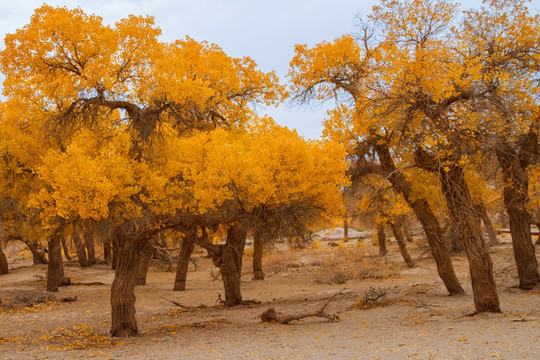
(265, 30)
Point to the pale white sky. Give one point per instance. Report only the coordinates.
(265, 30)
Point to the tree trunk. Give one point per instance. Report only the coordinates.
(407, 230)
(90, 246)
(396, 229)
(452, 235)
(461, 206)
(426, 217)
(258, 242)
(516, 202)
(123, 322)
(4, 268)
(65, 247)
(186, 249)
(345, 230)
(144, 263)
(55, 268)
(107, 248)
(231, 263)
(38, 253)
(79, 248)
(381, 237)
(488, 225)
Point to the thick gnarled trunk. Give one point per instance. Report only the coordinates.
(186, 249)
(426, 217)
(55, 268)
(231, 263)
(461, 206)
(123, 322)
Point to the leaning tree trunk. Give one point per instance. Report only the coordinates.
(231, 263)
(425, 216)
(381, 237)
(38, 254)
(65, 248)
(4, 268)
(398, 234)
(488, 225)
(516, 201)
(123, 322)
(258, 242)
(55, 268)
(461, 206)
(79, 248)
(186, 249)
(90, 246)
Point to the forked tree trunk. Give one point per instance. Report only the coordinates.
(65, 247)
(90, 246)
(488, 225)
(381, 237)
(516, 201)
(231, 263)
(460, 204)
(55, 268)
(79, 248)
(186, 249)
(258, 245)
(425, 216)
(396, 229)
(4, 268)
(123, 322)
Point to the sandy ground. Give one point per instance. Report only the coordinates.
(416, 319)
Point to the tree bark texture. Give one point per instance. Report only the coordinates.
(381, 237)
(186, 249)
(516, 201)
(258, 245)
(426, 217)
(398, 234)
(123, 322)
(144, 263)
(55, 268)
(231, 263)
(461, 206)
(345, 229)
(90, 246)
(79, 248)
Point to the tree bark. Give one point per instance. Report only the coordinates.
(55, 268)
(258, 242)
(396, 229)
(488, 225)
(381, 237)
(38, 253)
(231, 263)
(144, 263)
(90, 246)
(4, 268)
(186, 249)
(123, 322)
(345, 229)
(107, 248)
(516, 201)
(407, 230)
(425, 216)
(65, 247)
(461, 206)
(79, 248)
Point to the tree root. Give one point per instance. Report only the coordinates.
(272, 316)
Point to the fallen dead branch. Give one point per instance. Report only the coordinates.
(272, 316)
